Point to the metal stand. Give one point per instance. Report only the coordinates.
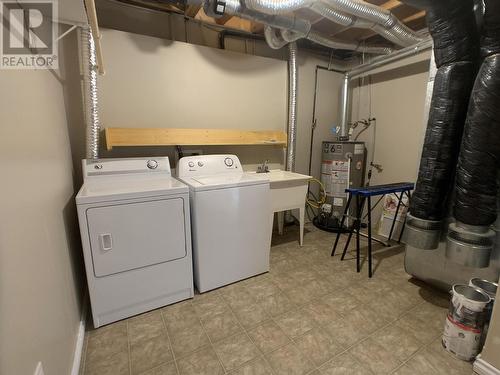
(364, 195)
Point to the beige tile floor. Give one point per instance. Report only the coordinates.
(311, 314)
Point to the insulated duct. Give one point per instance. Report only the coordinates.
(90, 100)
(470, 239)
(292, 106)
(360, 9)
(455, 53)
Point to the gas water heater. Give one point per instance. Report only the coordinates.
(342, 166)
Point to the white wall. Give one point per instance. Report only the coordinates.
(395, 96)
(40, 255)
(153, 82)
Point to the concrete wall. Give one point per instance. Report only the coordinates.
(395, 96)
(40, 256)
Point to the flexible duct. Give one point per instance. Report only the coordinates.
(292, 106)
(455, 52)
(352, 46)
(490, 35)
(398, 31)
(235, 8)
(293, 28)
(90, 93)
(274, 38)
(448, 109)
(479, 159)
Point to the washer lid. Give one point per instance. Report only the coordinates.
(222, 181)
(114, 188)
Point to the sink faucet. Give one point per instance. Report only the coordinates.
(264, 168)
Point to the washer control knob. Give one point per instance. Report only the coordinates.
(152, 164)
(200, 164)
(229, 162)
(191, 164)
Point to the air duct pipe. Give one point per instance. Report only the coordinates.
(452, 26)
(292, 27)
(398, 32)
(90, 99)
(293, 76)
(353, 21)
(470, 239)
(274, 38)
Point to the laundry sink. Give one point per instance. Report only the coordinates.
(282, 179)
(288, 192)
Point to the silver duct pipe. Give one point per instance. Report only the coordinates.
(292, 106)
(90, 99)
(352, 46)
(390, 26)
(344, 106)
(293, 28)
(353, 21)
(235, 8)
(274, 38)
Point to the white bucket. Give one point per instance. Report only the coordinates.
(464, 323)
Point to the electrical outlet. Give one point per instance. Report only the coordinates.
(39, 369)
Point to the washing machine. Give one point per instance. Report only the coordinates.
(230, 219)
(135, 229)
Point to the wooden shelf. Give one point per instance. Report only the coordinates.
(116, 137)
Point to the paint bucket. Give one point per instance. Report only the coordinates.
(464, 322)
(490, 288)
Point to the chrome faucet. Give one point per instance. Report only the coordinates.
(264, 168)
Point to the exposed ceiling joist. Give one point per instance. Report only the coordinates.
(223, 20)
(192, 10)
(391, 4)
(414, 17)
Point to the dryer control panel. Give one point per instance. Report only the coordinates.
(204, 165)
(126, 166)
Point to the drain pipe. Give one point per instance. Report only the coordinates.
(90, 100)
(292, 106)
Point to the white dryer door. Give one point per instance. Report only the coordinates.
(128, 236)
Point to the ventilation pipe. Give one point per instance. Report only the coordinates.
(293, 28)
(89, 62)
(274, 38)
(293, 77)
(470, 239)
(452, 26)
(397, 31)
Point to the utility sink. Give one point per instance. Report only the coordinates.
(288, 192)
(282, 179)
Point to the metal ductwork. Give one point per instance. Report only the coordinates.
(293, 77)
(352, 46)
(363, 14)
(214, 9)
(273, 38)
(90, 100)
(293, 28)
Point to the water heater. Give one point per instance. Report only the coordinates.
(342, 166)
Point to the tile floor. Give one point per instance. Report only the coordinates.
(311, 314)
